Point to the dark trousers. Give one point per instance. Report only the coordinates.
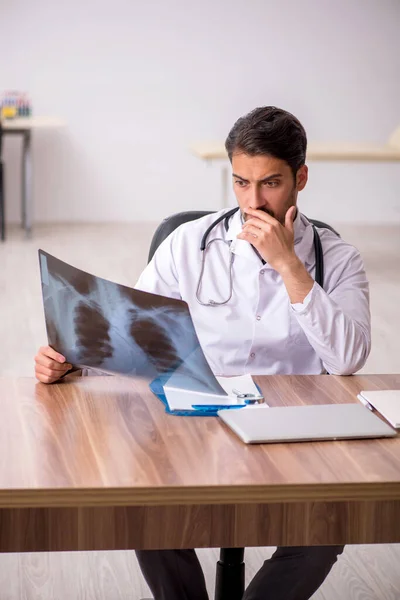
(290, 574)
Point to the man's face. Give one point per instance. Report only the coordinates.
(266, 183)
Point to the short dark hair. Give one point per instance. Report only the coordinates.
(269, 131)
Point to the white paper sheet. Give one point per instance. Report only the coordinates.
(179, 399)
(242, 383)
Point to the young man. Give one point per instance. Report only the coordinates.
(258, 310)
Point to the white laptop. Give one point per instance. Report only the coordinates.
(386, 402)
(261, 424)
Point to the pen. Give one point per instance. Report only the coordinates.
(212, 408)
(365, 402)
(259, 389)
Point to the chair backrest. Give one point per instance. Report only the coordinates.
(169, 224)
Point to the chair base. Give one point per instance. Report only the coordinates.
(229, 580)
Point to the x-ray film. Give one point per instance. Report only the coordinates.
(98, 324)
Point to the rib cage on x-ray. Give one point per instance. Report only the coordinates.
(99, 324)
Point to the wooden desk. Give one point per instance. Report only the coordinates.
(97, 464)
(24, 126)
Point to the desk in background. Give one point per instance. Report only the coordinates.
(24, 126)
(96, 464)
(319, 151)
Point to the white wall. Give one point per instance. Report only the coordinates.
(137, 82)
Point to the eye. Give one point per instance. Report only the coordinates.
(240, 183)
(271, 184)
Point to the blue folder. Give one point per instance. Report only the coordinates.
(157, 387)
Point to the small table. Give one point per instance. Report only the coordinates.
(24, 126)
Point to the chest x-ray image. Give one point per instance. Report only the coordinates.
(102, 325)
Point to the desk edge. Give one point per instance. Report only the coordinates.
(195, 495)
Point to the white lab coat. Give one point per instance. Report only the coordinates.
(258, 331)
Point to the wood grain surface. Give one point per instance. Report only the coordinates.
(95, 463)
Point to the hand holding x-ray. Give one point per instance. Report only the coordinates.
(98, 324)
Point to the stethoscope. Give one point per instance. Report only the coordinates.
(204, 247)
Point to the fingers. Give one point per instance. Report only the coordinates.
(50, 365)
(45, 361)
(47, 351)
(289, 218)
(251, 231)
(261, 215)
(45, 375)
(260, 225)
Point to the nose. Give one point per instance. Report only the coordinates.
(256, 199)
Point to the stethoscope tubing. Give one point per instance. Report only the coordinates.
(204, 246)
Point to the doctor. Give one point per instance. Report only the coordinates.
(257, 309)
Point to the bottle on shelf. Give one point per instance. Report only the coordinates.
(15, 104)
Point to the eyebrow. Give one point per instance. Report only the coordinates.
(273, 176)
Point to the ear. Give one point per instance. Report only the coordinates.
(301, 178)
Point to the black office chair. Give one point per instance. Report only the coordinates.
(2, 202)
(229, 583)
